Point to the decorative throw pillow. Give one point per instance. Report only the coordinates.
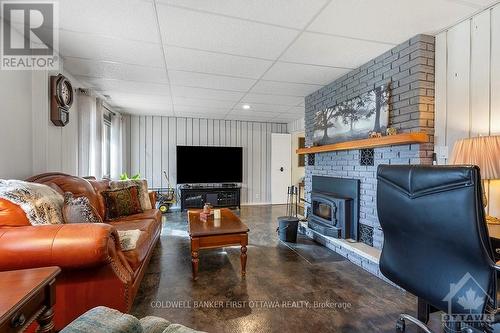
(79, 210)
(122, 202)
(142, 185)
(129, 238)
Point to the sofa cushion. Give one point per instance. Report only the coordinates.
(152, 324)
(122, 202)
(149, 228)
(104, 320)
(147, 214)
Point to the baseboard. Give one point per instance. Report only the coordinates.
(256, 204)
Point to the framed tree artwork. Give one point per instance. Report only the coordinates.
(354, 118)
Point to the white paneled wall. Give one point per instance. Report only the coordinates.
(15, 119)
(152, 145)
(296, 125)
(468, 85)
(32, 144)
(54, 148)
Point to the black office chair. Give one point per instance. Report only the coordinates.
(435, 235)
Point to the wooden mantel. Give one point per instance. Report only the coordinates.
(389, 140)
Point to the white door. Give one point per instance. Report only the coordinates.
(281, 167)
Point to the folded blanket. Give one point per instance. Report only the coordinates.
(129, 238)
(42, 204)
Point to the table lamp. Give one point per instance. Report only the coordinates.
(483, 151)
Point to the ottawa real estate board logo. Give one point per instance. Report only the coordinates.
(29, 35)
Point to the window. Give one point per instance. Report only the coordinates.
(106, 146)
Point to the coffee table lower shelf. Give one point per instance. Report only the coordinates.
(218, 241)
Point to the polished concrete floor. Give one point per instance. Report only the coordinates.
(288, 288)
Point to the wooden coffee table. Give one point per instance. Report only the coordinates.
(228, 230)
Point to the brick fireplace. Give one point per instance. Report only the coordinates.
(408, 69)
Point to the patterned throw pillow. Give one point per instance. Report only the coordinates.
(79, 210)
(122, 202)
(142, 187)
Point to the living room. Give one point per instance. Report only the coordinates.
(237, 166)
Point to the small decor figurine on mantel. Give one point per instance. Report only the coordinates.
(391, 131)
(373, 135)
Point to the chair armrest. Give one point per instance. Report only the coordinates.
(64, 245)
(152, 197)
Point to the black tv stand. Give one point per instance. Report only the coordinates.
(220, 195)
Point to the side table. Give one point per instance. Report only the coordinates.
(27, 295)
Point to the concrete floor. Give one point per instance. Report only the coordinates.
(301, 287)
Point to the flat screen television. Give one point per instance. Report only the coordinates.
(202, 164)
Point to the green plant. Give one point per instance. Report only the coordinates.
(124, 176)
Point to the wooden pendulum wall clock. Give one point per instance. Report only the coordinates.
(61, 99)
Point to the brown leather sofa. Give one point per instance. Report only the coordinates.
(95, 271)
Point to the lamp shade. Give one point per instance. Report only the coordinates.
(483, 151)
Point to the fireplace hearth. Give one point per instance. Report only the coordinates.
(335, 207)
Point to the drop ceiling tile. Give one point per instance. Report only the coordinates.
(181, 108)
(379, 18)
(289, 13)
(132, 19)
(208, 103)
(141, 104)
(179, 58)
(94, 47)
(283, 71)
(112, 70)
(263, 107)
(223, 95)
(108, 86)
(256, 115)
(197, 111)
(210, 32)
(284, 88)
(140, 99)
(202, 80)
(271, 99)
(326, 50)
